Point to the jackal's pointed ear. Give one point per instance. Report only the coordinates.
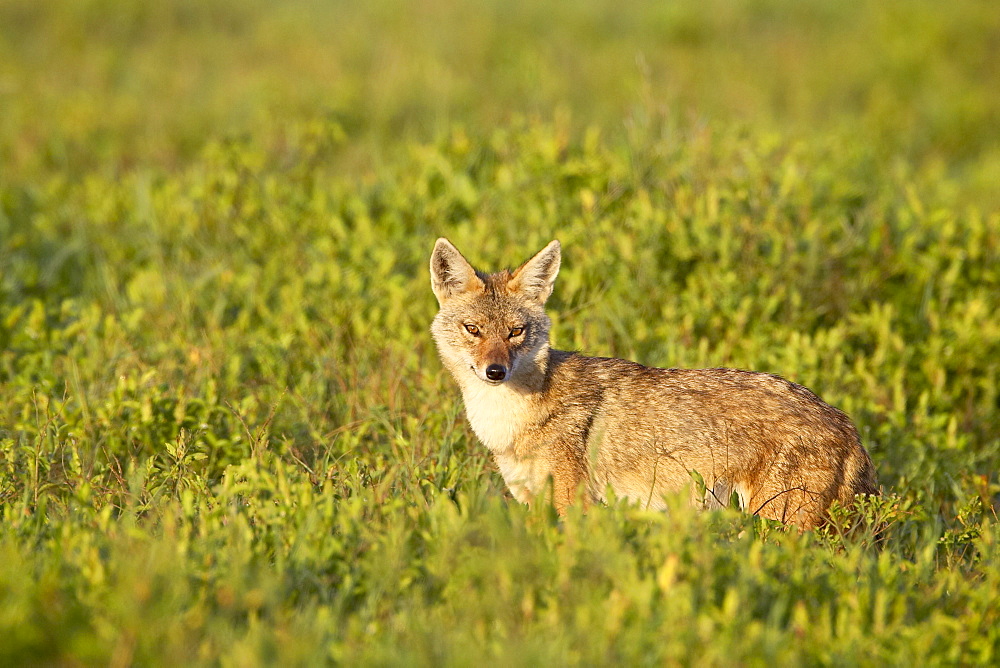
(535, 277)
(451, 274)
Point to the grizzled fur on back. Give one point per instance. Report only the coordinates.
(593, 424)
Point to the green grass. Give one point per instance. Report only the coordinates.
(225, 436)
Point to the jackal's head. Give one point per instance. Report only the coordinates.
(492, 325)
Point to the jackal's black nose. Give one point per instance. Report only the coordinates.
(496, 372)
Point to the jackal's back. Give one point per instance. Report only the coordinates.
(783, 450)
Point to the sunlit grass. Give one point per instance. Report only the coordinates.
(224, 432)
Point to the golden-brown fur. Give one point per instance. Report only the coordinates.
(591, 424)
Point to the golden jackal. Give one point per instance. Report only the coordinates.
(593, 423)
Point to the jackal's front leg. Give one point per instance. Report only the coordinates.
(569, 483)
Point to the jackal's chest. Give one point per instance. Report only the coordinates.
(524, 477)
(498, 414)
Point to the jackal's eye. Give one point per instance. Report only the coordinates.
(516, 331)
(472, 329)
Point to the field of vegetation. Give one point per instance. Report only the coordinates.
(225, 435)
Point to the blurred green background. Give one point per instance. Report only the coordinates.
(101, 83)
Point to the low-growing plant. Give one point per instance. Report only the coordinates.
(225, 436)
